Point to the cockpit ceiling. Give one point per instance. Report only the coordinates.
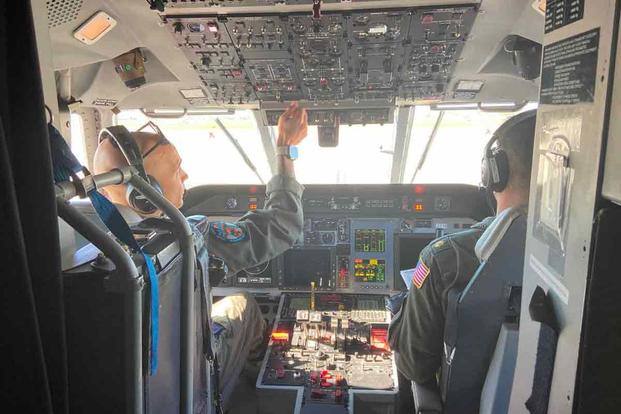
(259, 53)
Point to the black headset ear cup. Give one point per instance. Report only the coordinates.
(138, 202)
(485, 172)
(495, 169)
(498, 172)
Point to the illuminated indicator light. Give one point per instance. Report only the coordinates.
(419, 207)
(419, 189)
(252, 206)
(379, 339)
(212, 27)
(252, 189)
(373, 261)
(427, 19)
(280, 336)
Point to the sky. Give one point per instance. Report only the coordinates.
(363, 156)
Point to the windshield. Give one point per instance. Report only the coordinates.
(364, 154)
(208, 155)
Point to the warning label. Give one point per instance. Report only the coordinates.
(569, 70)
(105, 102)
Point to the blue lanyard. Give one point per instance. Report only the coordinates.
(66, 166)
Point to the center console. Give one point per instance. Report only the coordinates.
(329, 350)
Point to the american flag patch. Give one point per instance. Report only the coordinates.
(420, 274)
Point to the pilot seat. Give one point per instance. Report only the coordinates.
(481, 331)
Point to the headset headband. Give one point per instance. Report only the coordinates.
(123, 140)
(509, 124)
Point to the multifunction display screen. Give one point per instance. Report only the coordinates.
(307, 265)
(370, 240)
(370, 270)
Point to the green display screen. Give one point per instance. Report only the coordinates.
(370, 240)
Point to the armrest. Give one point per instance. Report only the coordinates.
(426, 399)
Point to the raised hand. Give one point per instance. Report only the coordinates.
(292, 125)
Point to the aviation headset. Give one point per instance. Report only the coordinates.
(125, 142)
(495, 165)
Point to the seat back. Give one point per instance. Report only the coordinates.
(96, 315)
(74, 248)
(475, 316)
(497, 388)
(85, 207)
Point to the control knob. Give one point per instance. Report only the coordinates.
(231, 203)
(327, 238)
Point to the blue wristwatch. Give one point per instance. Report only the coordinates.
(289, 151)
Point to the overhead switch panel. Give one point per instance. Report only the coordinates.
(349, 57)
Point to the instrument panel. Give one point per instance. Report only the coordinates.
(351, 57)
(356, 240)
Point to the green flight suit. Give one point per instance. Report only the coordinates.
(416, 332)
(255, 238)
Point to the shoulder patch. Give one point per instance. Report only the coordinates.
(229, 232)
(421, 272)
(440, 245)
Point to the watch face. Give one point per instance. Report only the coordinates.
(293, 152)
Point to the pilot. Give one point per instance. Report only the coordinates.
(416, 332)
(255, 238)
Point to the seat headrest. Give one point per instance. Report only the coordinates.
(75, 249)
(86, 208)
(496, 230)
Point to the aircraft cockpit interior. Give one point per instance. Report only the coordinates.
(328, 158)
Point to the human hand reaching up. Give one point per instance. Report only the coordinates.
(292, 126)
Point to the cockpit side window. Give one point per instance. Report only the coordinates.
(78, 141)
